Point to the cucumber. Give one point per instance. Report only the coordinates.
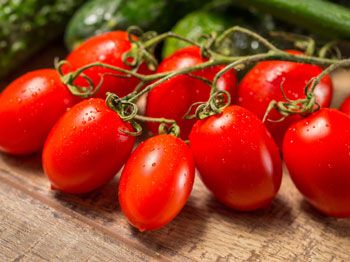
(201, 22)
(99, 16)
(192, 26)
(325, 18)
(28, 25)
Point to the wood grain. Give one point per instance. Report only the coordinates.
(288, 230)
(32, 231)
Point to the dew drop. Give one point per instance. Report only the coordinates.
(154, 164)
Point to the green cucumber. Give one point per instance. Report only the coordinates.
(197, 23)
(325, 18)
(28, 25)
(99, 16)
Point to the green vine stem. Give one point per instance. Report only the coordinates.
(142, 51)
(308, 104)
(128, 112)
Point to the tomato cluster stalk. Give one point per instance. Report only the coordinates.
(213, 50)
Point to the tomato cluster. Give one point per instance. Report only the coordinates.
(85, 142)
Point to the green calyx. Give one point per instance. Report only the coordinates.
(214, 106)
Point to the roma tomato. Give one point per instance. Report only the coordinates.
(262, 84)
(316, 151)
(237, 158)
(345, 106)
(86, 147)
(173, 98)
(29, 107)
(109, 49)
(156, 182)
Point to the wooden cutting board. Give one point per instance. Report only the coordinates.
(37, 224)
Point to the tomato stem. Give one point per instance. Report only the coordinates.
(142, 52)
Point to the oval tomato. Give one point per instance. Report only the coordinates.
(316, 151)
(156, 182)
(237, 158)
(173, 98)
(345, 106)
(262, 84)
(107, 48)
(86, 147)
(29, 107)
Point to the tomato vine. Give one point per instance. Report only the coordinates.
(142, 51)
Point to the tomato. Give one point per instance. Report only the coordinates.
(173, 98)
(156, 182)
(262, 84)
(29, 107)
(86, 147)
(345, 106)
(107, 48)
(316, 151)
(237, 158)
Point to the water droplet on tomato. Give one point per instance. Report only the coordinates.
(154, 164)
(83, 122)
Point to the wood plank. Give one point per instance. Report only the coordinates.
(289, 229)
(32, 231)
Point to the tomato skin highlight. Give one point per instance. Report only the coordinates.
(29, 107)
(156, 182)
(107, 48)
(237, 158)
(262, 84)
(345, 106)
(86, 148)
(316, 151)
(173, 98)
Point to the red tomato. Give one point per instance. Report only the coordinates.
(29, 107)
(156, 182)
(86, 148)
(173, 98)
(345, 107)
(262, 84)
(109, 49)
(237, 158)
(316, 151)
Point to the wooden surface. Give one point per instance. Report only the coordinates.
(37, 224)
